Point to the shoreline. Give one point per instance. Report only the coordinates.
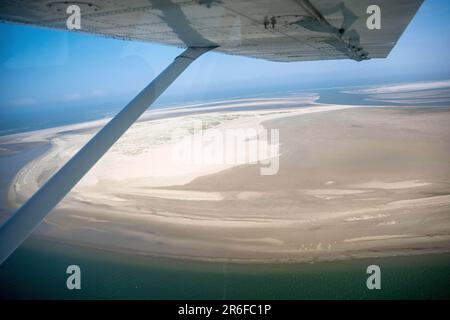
(11, 162)
(149, 258)
(238, 262)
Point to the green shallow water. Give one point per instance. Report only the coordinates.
(37, 271)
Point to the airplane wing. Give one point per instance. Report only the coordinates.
(283, 30)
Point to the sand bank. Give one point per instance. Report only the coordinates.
(353, 182)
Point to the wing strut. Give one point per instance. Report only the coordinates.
(22, 223)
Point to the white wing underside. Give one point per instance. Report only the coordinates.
(302, 30)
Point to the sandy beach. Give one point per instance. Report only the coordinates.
(353, 182)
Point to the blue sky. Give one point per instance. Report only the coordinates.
(48, 68)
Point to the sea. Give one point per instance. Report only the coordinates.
(37, 270)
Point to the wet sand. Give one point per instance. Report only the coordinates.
(353, 183)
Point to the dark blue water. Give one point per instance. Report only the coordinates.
(37, 271)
